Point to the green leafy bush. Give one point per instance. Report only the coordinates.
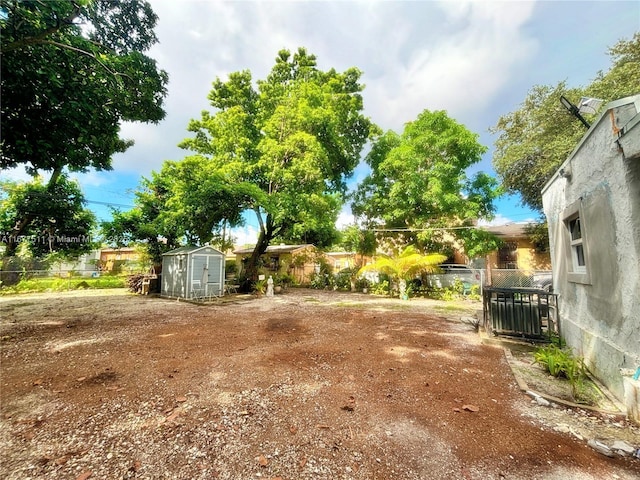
(362, 284)
(260, 287)
(342, 280)
(458, 290)
(284, 279)
(380, 288)
(561, 362)
(321, 281)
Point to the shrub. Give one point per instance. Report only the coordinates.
(561, 362)
(320, 281)
(284, 279)
(260, 287)
(362, 283)
(380, 288)
(342, 279)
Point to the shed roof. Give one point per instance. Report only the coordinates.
(189, 249)
(276, 249)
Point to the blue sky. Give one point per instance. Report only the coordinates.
(476, 60)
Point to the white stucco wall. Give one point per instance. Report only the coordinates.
(600, 315)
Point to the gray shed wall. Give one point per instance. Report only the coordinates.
(184, 274)
(174, 278)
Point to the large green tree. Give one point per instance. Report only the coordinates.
(185, 203)
(418, 184)
(288, 145)
(57, 217)
(533, 141)
(72, 71)
(143, 223)
(361, 241)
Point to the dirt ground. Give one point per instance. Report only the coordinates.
(304, 385)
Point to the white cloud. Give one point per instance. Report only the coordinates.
(460, 66)
(414, 55)
(91, 178)
(500, 220)
(345, 218)
(247, 235)
(17, 174)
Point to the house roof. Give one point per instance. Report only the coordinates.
(510, 230)
(121, 250)
(626, 124)
(190, 249)
(276, 249)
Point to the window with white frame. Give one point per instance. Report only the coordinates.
(577, 246)
(577, 254)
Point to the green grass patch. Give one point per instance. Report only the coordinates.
(452, 308)
(348, 304)
(57, 284)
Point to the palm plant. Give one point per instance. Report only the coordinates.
(405, 266)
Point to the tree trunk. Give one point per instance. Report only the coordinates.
(253, 264)
(402, 287)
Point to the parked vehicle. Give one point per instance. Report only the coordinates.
(450, 272)
(543, 282)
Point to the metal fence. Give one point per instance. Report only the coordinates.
(522, 312)
(502, 278)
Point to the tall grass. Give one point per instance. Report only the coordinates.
(58, 284)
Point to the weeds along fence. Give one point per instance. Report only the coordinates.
(25, 281)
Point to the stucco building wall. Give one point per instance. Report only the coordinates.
(599, 307)
(527, 257)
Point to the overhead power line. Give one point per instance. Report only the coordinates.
(422, 229)
(109, 204)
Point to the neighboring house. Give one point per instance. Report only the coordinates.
(296, 260)
(517, 251)
(346, 260)
(106, 260)
(85, 265)
(592, 205)
(115, 260)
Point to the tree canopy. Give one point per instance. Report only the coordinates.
(183, 203)
(358, 240)
(57, 221)
(72, 71)
(287, 147)
(534, 140)
(418, 181)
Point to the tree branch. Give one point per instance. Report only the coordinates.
(83, 52)
(40, 38)
(260, 220)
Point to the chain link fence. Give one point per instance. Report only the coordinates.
(500, 278)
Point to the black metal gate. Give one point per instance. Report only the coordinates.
(520, 312)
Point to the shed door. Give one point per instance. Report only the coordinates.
(205, 274)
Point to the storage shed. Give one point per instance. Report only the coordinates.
(193, 272)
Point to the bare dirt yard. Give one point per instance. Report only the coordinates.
(304, 385)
